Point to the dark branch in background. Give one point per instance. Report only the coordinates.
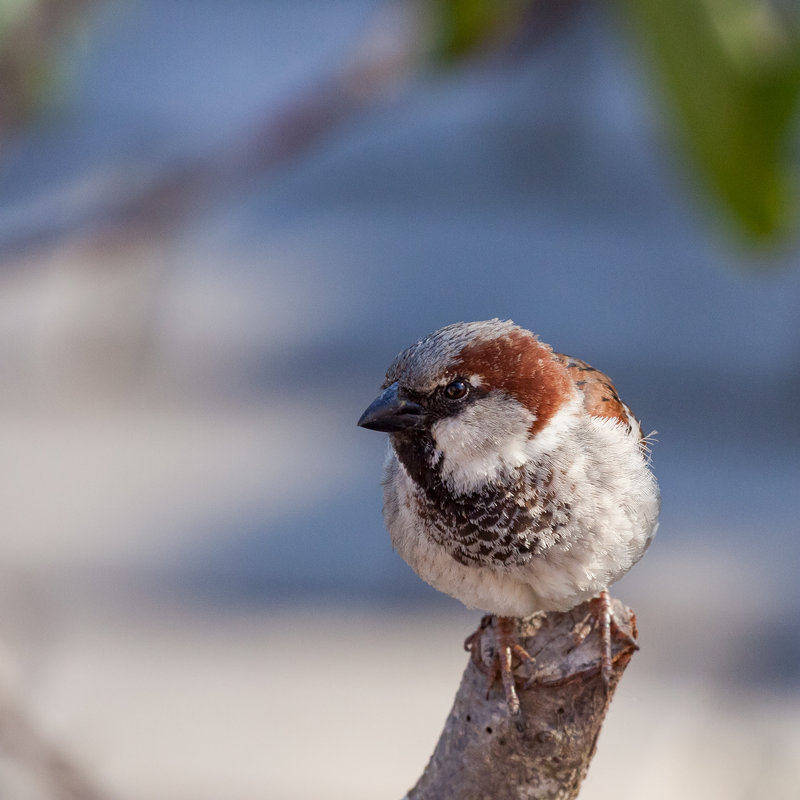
(543, 753)
(401, 39)
(165, 200)
(58, 777)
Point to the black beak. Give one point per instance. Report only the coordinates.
(390, 412)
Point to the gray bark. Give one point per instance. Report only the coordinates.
(485, 753)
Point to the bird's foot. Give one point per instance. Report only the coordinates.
(601, 616)
(496, 658)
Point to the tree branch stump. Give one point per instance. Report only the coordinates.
(542, 753)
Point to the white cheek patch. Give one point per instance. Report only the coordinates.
(483, 443)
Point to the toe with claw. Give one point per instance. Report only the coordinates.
(602, 618)
(500, 654)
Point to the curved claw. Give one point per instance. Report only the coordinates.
(472, 644)
(501, 658)
(602, 617)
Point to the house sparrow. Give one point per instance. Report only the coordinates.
(516, 479)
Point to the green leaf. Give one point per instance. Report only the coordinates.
(731, 71)
(462, 27)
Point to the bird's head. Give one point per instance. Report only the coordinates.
(468, 400)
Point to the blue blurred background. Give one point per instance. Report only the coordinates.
(198, 596)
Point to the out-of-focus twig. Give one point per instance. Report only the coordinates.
(22, 743)
(387, 52)
(394, 44)
(542, 753)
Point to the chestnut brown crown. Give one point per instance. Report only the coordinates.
(456, 365)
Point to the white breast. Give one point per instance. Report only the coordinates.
(595, 465)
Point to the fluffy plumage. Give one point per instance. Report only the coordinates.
(516, 479)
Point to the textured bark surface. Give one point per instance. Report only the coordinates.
(484, 753)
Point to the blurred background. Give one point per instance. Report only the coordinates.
(219, 221)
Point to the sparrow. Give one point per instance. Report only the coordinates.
(516, 480)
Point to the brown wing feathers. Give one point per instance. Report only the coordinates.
(600, 395)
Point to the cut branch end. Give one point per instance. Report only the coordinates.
(544, 751)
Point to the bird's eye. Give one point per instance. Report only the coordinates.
(456, 389)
